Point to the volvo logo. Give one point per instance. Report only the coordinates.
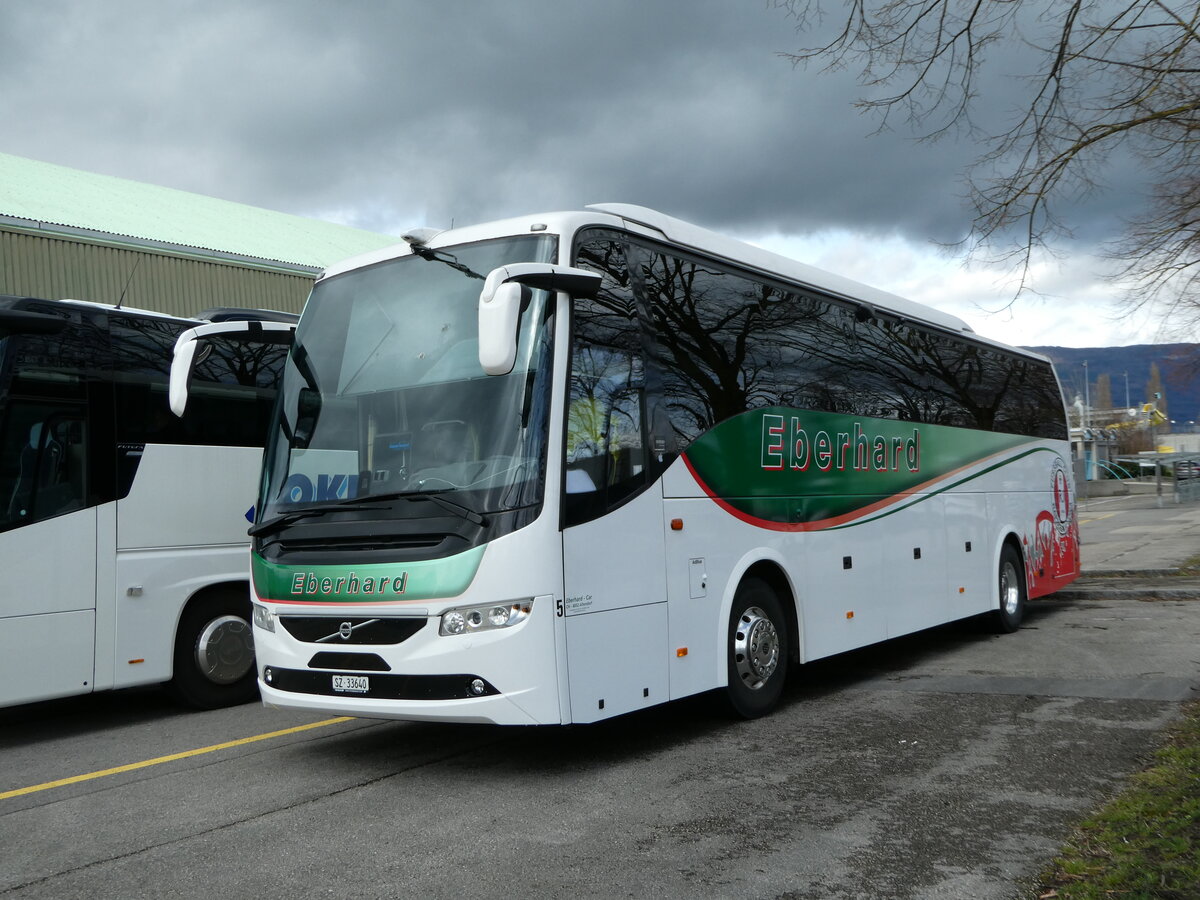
(346, 630)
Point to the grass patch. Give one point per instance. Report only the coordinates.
(1190, 566)
(1145, 843)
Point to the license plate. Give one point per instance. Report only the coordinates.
(351, 684)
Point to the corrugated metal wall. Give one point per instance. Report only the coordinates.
(54, 267)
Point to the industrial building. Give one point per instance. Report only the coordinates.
(65, 233)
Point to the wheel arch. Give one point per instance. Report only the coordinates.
(232, 586)
(1007, 537)
(770, 568)
(215, 622)
(774, 575)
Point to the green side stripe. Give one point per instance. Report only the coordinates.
(810, 470)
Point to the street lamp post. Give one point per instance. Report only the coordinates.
(1089, 456)
(1087, 397)
(1154, 448)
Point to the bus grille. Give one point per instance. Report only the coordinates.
(353, 662)
(337, 631)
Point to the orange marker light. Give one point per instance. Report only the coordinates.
(962, 590)
(681, 652)
(677, 524)
(134, 662)
(849, 614)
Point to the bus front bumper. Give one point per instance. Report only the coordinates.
(506, 676)
(496, 709)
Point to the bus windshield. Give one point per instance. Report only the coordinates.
(383, 396)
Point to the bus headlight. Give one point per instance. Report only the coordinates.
(263, 618)
(469, 619)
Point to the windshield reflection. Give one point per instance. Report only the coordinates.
(383, 396)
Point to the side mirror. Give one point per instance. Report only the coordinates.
(506, 292)
(498, 320)
(181, 371)
(308, 409)
(189, 344)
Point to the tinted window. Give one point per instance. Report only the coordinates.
(709, 333)
(44, 452)
(141, 350)
(48, 385)
(606, 450)
(232, 393)
(722, 343)
(229, 400)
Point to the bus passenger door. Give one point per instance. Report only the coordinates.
(613, 574)
(47, 555)
(616, 611)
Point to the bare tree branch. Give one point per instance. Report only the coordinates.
(1112, 75)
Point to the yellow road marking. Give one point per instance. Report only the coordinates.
(116, 770)
(1089, 521)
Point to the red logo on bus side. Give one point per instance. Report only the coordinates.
(1054, 554)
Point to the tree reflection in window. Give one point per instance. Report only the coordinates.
(606, 452)
(720, 343)
(725, 343)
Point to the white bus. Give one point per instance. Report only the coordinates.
(562, 467)
(123, 540)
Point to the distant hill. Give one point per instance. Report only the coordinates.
(1178, 364)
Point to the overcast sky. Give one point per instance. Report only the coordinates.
(384, 114)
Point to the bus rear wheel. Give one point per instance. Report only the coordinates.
(214, 652)
(757, 648)
(1007, 617)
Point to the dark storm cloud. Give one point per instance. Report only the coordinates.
(387, 114)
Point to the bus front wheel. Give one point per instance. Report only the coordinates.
(1007, 617)
(214, 652)
(758, 650)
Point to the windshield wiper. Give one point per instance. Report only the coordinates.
(287, 518)
(358, 504)
(433, 497)
(443, 257)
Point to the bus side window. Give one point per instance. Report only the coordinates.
(605, 450)
(234, 388)
(141, 366)
(604, 424)
(50, 475)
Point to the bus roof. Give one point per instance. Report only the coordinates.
(88, 306)
(214, 314)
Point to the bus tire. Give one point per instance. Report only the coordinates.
(757, 645)
(1007, 617)
(214, 652)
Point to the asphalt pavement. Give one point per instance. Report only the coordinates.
(950, 763)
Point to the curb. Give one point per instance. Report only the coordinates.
(1131, 584)
(1130, 573)
(1146, 593)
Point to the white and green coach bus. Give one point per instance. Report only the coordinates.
(123, 541)
(558, 468)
